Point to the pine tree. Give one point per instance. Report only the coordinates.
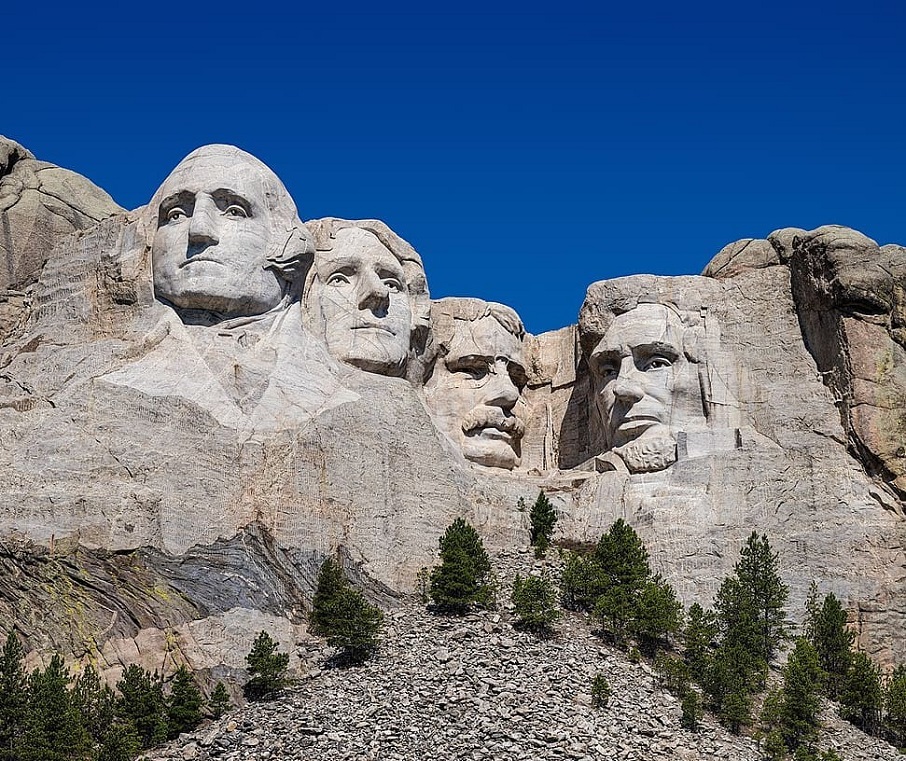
(141, 703)
(183, 704)
(659, 614)
(463, 578)
(799, 702)
(13, 695)
(219, 702)
(861, 695)
(121, 742)
(582, 582)
(535, 603)
(267, 668)
(757, 571)
(895, 707)
(623, 557)
(833, 642)
(698, 638)
(543, 518)
(95, 702)
(53, 726)
(623, 561)
(344, 617)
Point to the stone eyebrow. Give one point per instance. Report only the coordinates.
(180, 198)
(657, 347)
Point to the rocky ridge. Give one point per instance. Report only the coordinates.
(475, 688)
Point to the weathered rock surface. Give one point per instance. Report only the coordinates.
(39, 205)
(219, 449)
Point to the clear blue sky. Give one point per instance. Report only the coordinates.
(525, 153)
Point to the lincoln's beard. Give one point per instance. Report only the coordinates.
(649, 453)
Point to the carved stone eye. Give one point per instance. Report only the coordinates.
(393, 284)
(337, 278)
(656, 363)
(176, 214)
(235, 211)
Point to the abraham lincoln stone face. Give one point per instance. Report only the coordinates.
(645, 386)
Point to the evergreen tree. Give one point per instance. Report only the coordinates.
(267, 668)
(758, 573)
(582, 582)
(691, 706)
(95, 702)
(861, 695)
(895, 707)
(121, 742)
(659, 614)
(344, 617)
(53, 728)
(543, 518)
(800, 702)
(141, 704)
(13, 696)
(833, 642)
(535, 603)
(623, 561)
(464, 576)
(183, 704)
(219, 702)
(698, 638)
(623, 557)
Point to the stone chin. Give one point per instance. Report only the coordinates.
(491, 447)
(373, 359)
(649, 454)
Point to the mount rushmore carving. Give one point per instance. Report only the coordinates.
(225, 394)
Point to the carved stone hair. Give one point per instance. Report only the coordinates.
(445, 313)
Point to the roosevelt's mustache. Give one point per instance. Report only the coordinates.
(493, 417)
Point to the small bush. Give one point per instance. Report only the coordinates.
(581, 583)
(674, 674)
(463, 578)
(535, 601)
(183, 704)
(691, 706)
(220, 702)
(600, 691)
(344, 617)
(543, 518)
(267, 668)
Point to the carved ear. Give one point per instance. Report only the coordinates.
(294, 254)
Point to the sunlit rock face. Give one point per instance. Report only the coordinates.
(223, 397)
(227, 241)
(366, 296)
(477, 379)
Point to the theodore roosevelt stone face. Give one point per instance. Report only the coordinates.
(478, 379)
(645, 387)
(220, 215)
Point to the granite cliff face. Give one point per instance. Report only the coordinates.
(203, 398)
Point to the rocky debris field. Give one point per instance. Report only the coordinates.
(476, 688)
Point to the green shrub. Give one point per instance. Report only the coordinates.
(674, 674)
(183, 704)
(344, 617)
(141, 703)
(535, 602)
(581, 582)
(543, 519)
(600, 691)
(267, 668)
(861, 696)
(659, 614)
(691, 706)
(463, 578)
(219, 702)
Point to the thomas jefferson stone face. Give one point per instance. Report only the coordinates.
(474, 389)
(360, 303)
(213, 235)
(644, 384)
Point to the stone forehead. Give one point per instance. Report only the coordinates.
(209, 161)
(644, 323)
(448, 313)
(607, 299)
